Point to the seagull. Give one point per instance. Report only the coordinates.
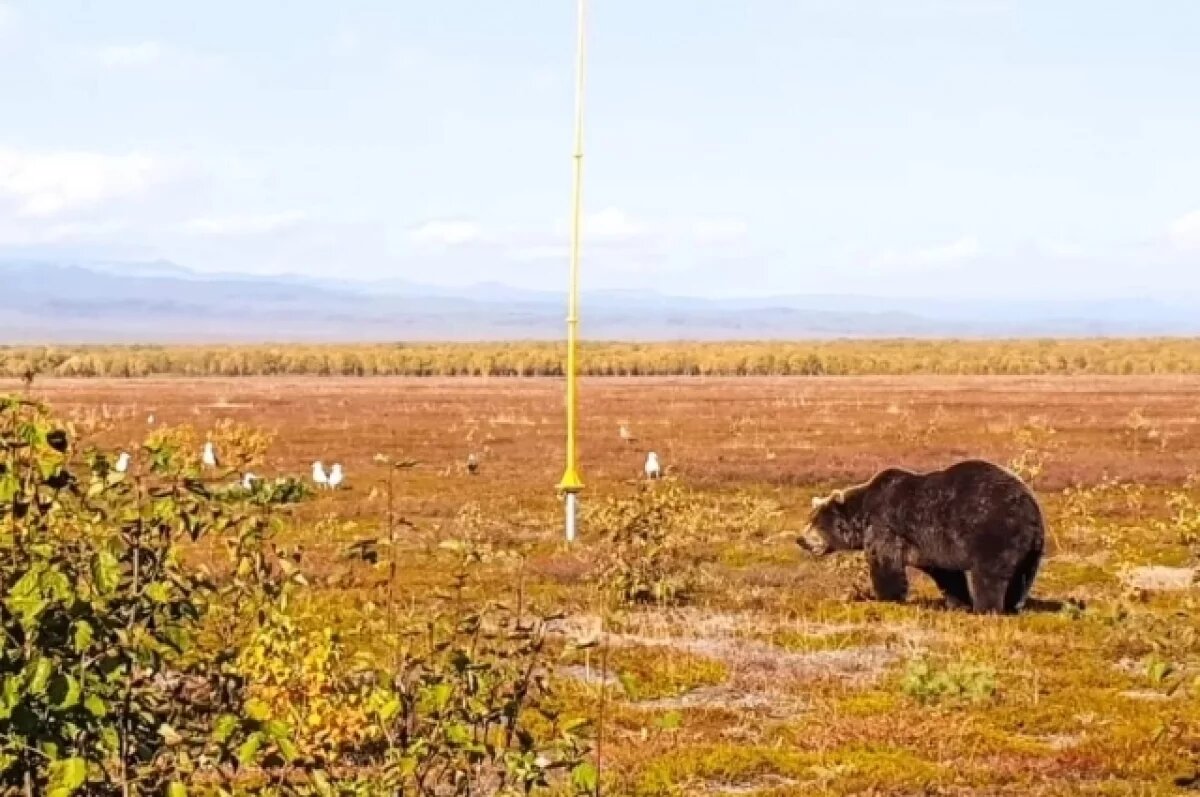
(626, 435)
(653, 469)
(209, 456)
(150, 419)
(318, 474)
(472, 464)
(336, 476)
(248, 480)
(122, 463)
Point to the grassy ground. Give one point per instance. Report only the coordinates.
(780, 676)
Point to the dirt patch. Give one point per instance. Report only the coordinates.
(760, 671)
(1159, 578)
(728, 698)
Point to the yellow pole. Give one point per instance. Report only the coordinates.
(571, 483)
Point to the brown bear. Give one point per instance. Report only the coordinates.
(972, 517)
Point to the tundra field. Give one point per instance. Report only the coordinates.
(751, 668)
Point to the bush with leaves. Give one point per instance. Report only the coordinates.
(462, 707)
(650, 546)
(104, 689)
(123, 670)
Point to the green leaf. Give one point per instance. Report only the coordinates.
(458, 734)
(287, 749)
(177, 789)
(441, 694)
(95, 706)
(158, 591)
(249, 749)
(47, 467)
(321, 783)
(224, 727)
(277, 730)
(64, 692)
(8, 486)
(25, 597)
(67, 776)
(389, 710)
(106, 571)
(82, 636)
(257, 710)
(39, 678)
(585, 778)
(110, 738)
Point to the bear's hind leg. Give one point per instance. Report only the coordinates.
(989, 591)
(953, 584)
(1021, 581)
(889, 579)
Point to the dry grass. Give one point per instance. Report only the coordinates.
(779, 678)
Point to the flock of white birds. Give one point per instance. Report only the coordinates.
(336, 476)
(208, 457)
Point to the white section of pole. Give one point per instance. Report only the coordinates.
(572, 506)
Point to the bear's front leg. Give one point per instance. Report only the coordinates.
(887, 573)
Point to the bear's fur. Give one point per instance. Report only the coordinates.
(972, 517)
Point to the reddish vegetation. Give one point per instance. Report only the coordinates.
(1063, 701)
(714, 431)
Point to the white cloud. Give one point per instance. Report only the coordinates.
(612, 224)
(1185, 232)
(25, 234)
(129, 56)
(445, 232)
(937, 255)
(50, 183)
(263, 224)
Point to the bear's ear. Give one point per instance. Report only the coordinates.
(838, 497)
(818, 502)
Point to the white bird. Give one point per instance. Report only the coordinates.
(150, 420)
(318, 474)
(336, 476)
(122, 462)
(210, 455)
(472, 464)
(248, 480)
(653, 469)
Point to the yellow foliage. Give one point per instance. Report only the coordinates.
(529, 358)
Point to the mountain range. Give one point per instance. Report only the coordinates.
(161, 302)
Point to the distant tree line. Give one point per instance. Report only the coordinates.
(534, 359)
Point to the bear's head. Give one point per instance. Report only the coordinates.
(833, 524)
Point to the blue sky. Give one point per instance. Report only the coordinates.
(1016, 148)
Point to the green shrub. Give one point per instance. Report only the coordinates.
(927, 681)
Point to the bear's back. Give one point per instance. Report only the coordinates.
(969, 487)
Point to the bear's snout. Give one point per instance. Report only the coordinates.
(811, 541)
